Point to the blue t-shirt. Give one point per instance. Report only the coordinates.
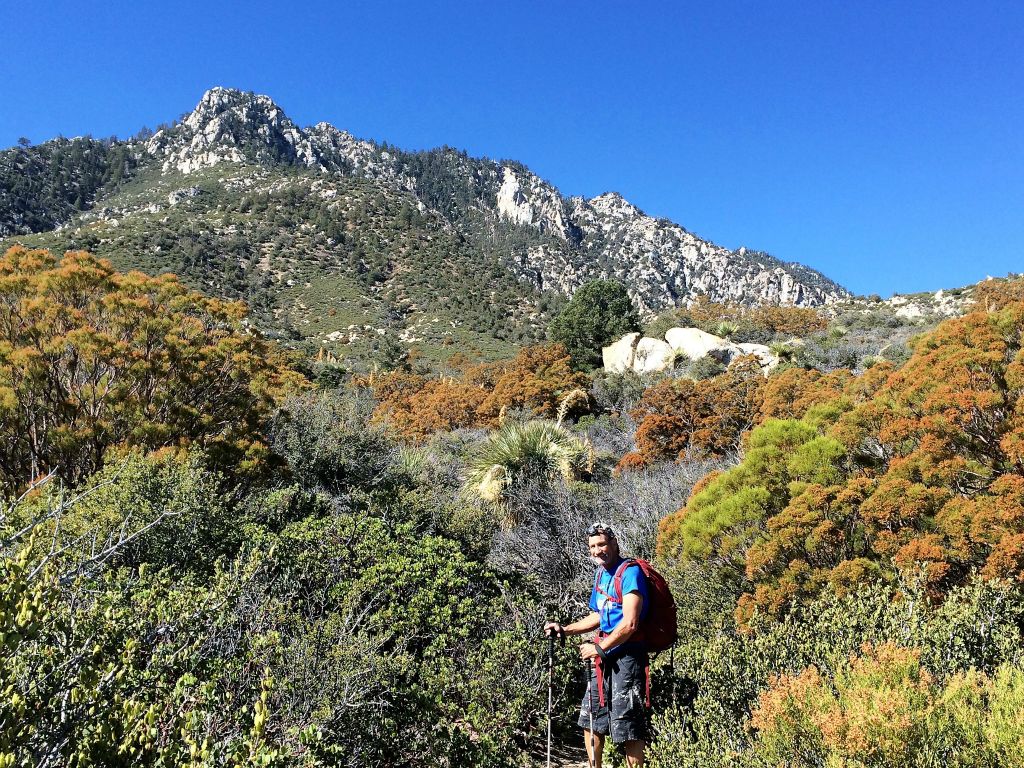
(633, 580)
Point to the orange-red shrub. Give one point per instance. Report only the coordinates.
(918, 469)
(417, 406)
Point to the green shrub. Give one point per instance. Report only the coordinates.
(599, 313)
(976, 631)
(166, 509)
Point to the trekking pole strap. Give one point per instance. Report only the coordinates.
(599, 666)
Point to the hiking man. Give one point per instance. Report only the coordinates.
(616, 705)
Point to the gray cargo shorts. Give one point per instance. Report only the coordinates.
(625, 688)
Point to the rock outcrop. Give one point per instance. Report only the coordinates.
(666, 265)
(647, 355)
(526, 200)
(341, 151)
(652, 355)
(230, 126)
(695, 344)
(763, 353)
(618, 356)
(930, 305)
(663, 264)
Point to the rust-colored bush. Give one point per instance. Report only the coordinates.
(677, 417)
(917, 469)
(793, 392)
(92, 358)
(418, 406)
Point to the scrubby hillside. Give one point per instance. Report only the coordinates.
(219, 552)
(868, 542)
(324, 524)
(42, 187)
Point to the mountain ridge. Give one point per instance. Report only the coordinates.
(491, 222)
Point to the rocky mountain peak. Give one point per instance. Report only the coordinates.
(233, 126)
(614, 205)
(218, 100)
(546, 240)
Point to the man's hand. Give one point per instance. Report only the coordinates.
(554, 628)
(588, 651)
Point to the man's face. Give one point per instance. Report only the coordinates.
(603, 549)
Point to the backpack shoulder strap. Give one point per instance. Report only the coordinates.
(599, 589)
(619, 573)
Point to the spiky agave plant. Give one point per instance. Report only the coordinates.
(520, 452)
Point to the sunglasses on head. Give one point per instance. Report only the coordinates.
(598, 529)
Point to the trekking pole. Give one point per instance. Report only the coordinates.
(672, 671)
(592, 755)
(551, 685)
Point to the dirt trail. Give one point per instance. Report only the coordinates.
(562, 757)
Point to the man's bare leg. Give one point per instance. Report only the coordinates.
(595, 759)
(634, 753)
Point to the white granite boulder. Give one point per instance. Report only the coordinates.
(647, 355)
(764, 355)
(652, 355)
(695, 344)
(618, 356)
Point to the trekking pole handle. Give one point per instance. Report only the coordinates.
(556, 631)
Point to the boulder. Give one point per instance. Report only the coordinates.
(178, 195)
(647, 355)
(652, 355)
(695, 344)
(764, 355)
(618, 356)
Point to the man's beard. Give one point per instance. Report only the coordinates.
(596, 560)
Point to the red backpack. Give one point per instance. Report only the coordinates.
(658, 629)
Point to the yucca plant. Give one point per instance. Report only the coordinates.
(521, 452)
(570, 400)
(785, 352)
(726, 328)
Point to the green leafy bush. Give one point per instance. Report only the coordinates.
(976, 630)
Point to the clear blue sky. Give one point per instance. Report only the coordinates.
(880, 142)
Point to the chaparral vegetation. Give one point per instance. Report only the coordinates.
(216, 550)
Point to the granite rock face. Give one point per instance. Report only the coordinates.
(663, 264)
(575, 240)
(647, 355)
(526, 200)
